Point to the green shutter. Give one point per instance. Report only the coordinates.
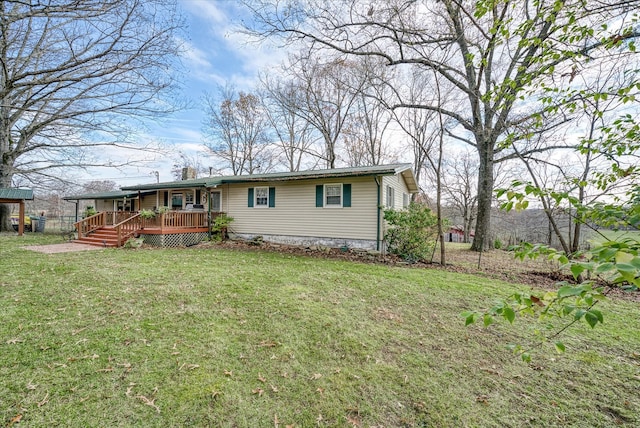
(346, 195)
(250, 199)
(272, 197)
(319, 195)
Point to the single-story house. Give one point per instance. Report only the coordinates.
(16, 196)
(333, 207)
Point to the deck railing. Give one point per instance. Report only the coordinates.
(89, 224)
(127, 223)
(128, 227)
(114, 217)
(183, 219)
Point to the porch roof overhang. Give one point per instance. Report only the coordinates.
(105, 195)
(211, 182)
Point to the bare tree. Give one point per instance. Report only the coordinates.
(497, 56)
(294, 135)
(73, 77)
(236, 131)
(369, 124)
(458, 179)
(328, 94)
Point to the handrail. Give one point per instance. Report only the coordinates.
(89, 224)
(128, 227)
(115, 217)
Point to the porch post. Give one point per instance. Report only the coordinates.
(21, 219)
(206, 189)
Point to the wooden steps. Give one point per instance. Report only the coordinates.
(103, 237)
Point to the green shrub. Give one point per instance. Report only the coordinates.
(89, 211)
(220, 227)
(497, 244)
(147, 214)
(411, 232)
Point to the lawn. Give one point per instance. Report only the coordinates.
(218, 337)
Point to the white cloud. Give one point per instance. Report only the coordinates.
(206, 9)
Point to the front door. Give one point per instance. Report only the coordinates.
(216, 201)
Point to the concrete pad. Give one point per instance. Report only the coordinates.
(67, 247)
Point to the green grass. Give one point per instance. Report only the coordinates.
(210, 337)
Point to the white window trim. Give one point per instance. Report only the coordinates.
(172, 194)
(324, 196)
(255, 197)
(391, 201)
(215, 191)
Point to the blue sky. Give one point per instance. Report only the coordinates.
(216, 54)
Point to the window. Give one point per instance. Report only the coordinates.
(216, 201)
(405, 200)
(390, 197)
(188, 198)
(262, 196)
(176, 200)
(333, 195)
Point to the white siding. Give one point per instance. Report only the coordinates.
(104, 205)
(295, 212)
(398, 184)
(149, 202)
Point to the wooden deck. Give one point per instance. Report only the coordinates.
(114, 228)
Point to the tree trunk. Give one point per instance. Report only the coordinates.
(5, 181)
(481, 242)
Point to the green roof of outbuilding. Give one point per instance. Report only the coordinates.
(16, 194)
(403, 168)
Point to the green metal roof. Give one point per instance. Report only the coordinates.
(118, 194)
(16, 194)
(404, 169)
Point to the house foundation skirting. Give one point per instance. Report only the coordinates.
(364, 244)
(174, 239)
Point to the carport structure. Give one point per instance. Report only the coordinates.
(16, 196)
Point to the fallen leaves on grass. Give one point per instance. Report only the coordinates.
(258, 391)
(261, 378)
(484, 399)
(148, 402)
(16, 419)
(14, 341)
(188, 366)
(354, 421)
(228, 373)
(129, 389)
(44, 401)
(315, 376)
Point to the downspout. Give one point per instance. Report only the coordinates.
(378, 209)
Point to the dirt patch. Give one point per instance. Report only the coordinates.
(67, 247)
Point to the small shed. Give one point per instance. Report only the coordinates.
(16, 196)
